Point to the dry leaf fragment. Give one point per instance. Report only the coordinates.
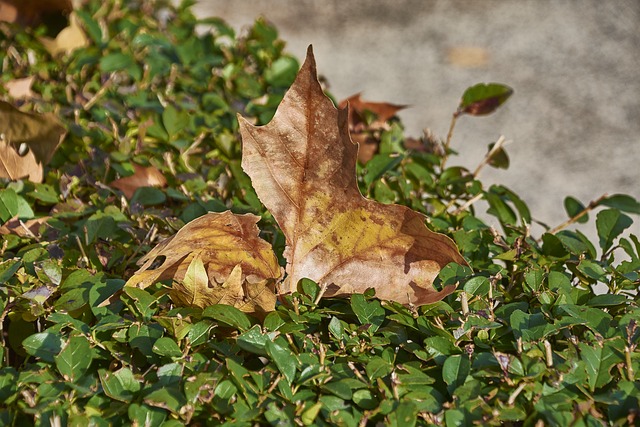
(364, 133)
(15, 167)
(302, 166)
(20, 88)
(27, 228)
(384, 111)
(42, 133)
(223, 242)
(142, 177)
(197, 290)
(67, 40)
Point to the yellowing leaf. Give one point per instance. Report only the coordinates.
(142, 177)
(67, 40)
(41, 133)
(302, 166)
(241, 268)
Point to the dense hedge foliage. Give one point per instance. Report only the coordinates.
(524, 340)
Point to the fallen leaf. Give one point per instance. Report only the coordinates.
(21, 228)
(223, 242)
(302, 166)
(69, 39)
(142, 177)
(15, 167)
(468, 56)
(20, 88)
(41, 133)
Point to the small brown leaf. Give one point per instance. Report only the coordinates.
(384, 111)
(41, 133)
(24, 229)
(302, 166)
(15, 167)
(223, 242)
(142, 177)
(20, 88)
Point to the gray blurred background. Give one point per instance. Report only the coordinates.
(574, 119)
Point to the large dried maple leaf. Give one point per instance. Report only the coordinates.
(302, 166)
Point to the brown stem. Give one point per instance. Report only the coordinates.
(447, 143)
(591, 206)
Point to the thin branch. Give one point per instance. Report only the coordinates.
(591, 206)
(447, 143)
(497, 146)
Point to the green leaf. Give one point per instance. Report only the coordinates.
(75, 358)
(228, 316)
(119, 385)
(379, 165)
(284, 359)
(623, 203)
(148, 196)
(530, 327)
(254, 340)
(8, 384)
(282, 72)
(499, 159)
(610, 224)
(45, 345)
(143, 415)
(599, 360)
(8, 204)
(478, 286)
(368, 312)
(455, 371)
(483, 98)
(574, 207)
(116, 62)
(377, 367)
(166, 346)
(174, 121)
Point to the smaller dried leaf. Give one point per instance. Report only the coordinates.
(42, 133)
(23, 229)
(71, 38)
(20, 88)
(197, 290)
(142, 177)
(15, 167)
(384, 111)
(483, 98)
(223, 242)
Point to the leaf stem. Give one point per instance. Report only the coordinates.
(591, 206)
(497, 146)
(516, 392)
(447, 143)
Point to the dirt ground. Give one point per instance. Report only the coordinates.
(574, 120)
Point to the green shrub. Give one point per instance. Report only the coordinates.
(524, 339)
